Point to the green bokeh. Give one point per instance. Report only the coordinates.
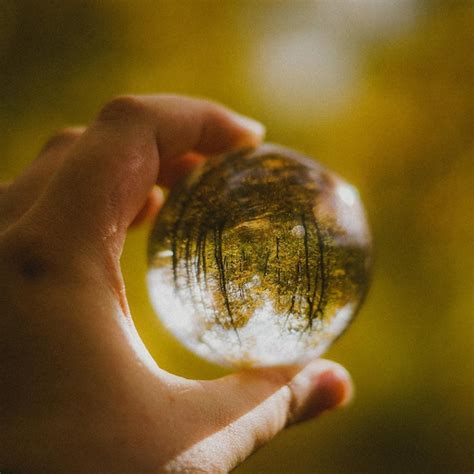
(403, 135)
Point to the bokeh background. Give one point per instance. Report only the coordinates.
(380, 91)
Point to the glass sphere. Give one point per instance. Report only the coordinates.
(259, 257)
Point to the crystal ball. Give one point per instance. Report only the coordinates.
(259, 257)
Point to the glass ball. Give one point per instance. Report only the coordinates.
(259, 257)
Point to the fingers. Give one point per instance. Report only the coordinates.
(151, 207)
(253, 406)
(178, 168)
(60, 143)
(290, 393)
(24, 191)
(112, 168)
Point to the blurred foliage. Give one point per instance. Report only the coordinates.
(403, 135)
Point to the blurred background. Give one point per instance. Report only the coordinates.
(380, 91)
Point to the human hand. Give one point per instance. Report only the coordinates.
(79, 391)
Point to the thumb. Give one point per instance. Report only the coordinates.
(252, 406)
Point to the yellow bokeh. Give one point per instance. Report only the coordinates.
(381, 92)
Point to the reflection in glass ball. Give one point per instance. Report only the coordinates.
(259, 257)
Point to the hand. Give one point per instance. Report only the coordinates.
(79, 391)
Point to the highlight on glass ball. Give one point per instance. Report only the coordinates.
(259, 257)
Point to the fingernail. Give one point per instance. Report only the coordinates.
(251, 125)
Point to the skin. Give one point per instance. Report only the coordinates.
(79, 391)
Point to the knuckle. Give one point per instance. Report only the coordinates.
(122, 107)
(281, 381)
(62, 137)
(276, 378)
(69, 133)
(214, 109)
(292, 403)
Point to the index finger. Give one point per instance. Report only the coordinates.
(104, 181)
